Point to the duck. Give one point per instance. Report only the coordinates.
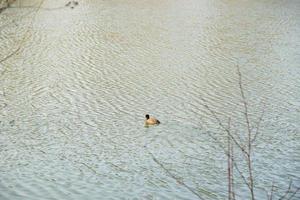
(151, 120)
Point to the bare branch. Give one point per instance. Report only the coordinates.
(229, 160)
(241, 174)
(223, 127)
(232, 179)
(174, 177)
(231, 157)
(272, 190)
(246, 114)
(294, 193)
(244, 101)
(258, 125)
(287, 191)
(42, 8)
(23, 39)
(15, 19)
(10, 55)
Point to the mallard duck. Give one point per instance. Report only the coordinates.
(151, 120)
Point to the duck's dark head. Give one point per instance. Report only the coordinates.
(147, 116)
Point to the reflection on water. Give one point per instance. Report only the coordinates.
(75, 89)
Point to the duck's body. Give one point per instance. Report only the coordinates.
(151, 120)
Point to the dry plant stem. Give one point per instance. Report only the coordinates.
(232, 180)
(18, 7)
(246, 114)
(14, 20)
(232, 161)
(229, 169)
(287, 191)
(258, 125)
(245, 153)
(229, 164)
(224, 128)
(24, 37)
(231, 195)
(174, 177)
(294, 193)
(246, 149)
(240, 172)
(272, 190)
(11, 54)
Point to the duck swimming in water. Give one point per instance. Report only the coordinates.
(151, 120)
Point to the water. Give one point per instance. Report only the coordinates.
(75, 85)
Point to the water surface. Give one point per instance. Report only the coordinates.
(75, 85)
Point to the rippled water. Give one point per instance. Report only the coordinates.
(75, 85)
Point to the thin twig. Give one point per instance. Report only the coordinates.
(232, 179)
(246, 114)
(224, 128)
(24, 37)
(233, 162)
(244, 100)
(229, 159)
(11, 54)
(241, 174)
(89, 167)
(272, 190)
(174, 177)
(287, 191)
(258, 125)
(14, 20)
(42, 8)
(294, 193)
